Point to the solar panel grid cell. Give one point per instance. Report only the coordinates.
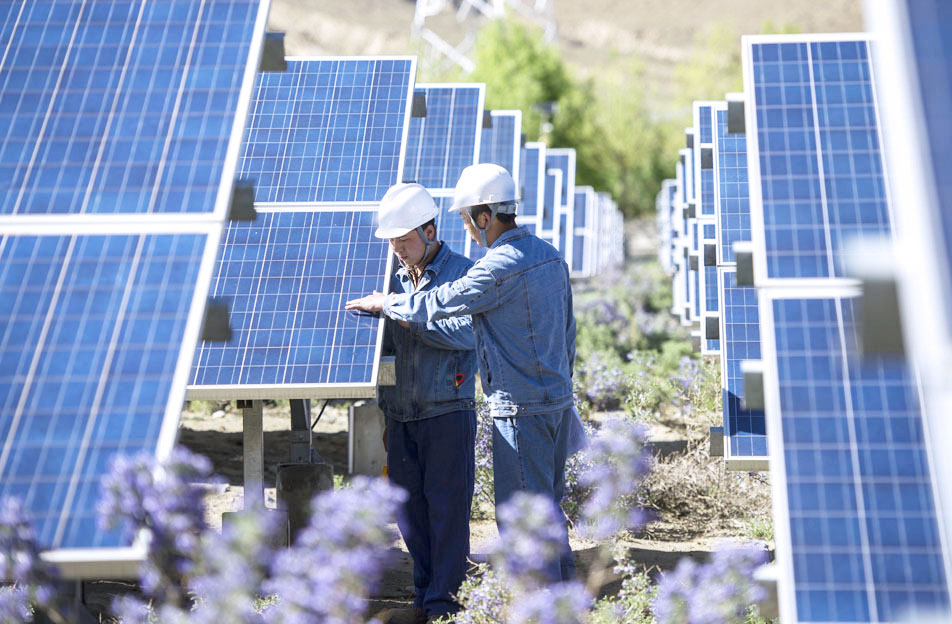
(733, 203)
(285, 277)
(440, 145)
(84, 126)
(328, 129)
(500, 143)
(532, 175)
(746, 429)
(862, 520)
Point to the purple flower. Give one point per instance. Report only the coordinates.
(15, 604)
(531, 534)
(484, 599)
(484, 489)
(336, 561)
(142, 494)
(718, 592)
(20, 561)
(562, 603)
(617, 463)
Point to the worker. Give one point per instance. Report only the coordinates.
(520, 300)
(430, 412)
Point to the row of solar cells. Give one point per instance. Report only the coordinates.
(788, 231)
(123, 130)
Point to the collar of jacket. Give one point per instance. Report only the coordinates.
(433, 266)
(520, 231)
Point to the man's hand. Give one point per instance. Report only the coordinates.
(371, 303)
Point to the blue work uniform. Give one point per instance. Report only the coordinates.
(520, 299)
(431, 435)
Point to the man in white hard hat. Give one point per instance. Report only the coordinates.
(431, 418)
(520, 300)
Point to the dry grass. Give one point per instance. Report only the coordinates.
(693, 494)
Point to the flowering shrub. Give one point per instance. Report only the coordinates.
(484, 493)
(34, 582)
(719, 592)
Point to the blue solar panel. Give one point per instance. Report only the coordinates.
(690, 194)
(532, 181)
(500, 143)
(563, 236)
(563, 159)
(746, 430)
(84, 128)
(816, 142)
(446, 141)
(863, 527)
(328, 130)
(92, 329)
(550, 201)
(117, 110)
(449, 226)
(705, 192)
(584, 199)
(285, 277)
(732, 200)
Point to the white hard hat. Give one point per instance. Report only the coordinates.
(485, 183)
(404, 208)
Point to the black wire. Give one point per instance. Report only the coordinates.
(319, 414)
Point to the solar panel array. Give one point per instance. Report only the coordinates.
(118, 149)
(501, 143)
(801, 176)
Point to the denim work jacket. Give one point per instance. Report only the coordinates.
(520, 300)
(435, 361)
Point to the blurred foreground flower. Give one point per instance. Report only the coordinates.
(617, 462)
(719, 592)
(531, 531)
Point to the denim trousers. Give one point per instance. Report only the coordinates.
(529, 454)
(434, 461)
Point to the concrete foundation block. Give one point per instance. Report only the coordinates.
(365, 452)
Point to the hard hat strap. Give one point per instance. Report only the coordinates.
(426, 243)
(482, 231)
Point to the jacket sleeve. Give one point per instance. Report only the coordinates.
(455, 334)
(476, 291)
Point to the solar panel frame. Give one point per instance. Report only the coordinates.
(497, 152)
(551, 195)
(263, 198)
(864, 476)
(704, 138)
(327, 389)
(755, 159)
(915, 140)
(744, 430)
(448, 177)
(532, 186)
(709, 295)
(123, 562)
(732, 202)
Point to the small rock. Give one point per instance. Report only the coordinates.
(218, 414)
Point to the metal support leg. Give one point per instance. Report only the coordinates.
(253, 450)
(307, 474)
(300, 431)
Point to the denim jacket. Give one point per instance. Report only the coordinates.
(435, 361)
(520, 300)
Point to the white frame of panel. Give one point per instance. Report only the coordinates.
(554, 232)
(923, 277)
(755, 190)
(406, 116)
(696, 120)
(297, 390)
(702, 284)
(479, 119)
(587, 233)
(534, 223)
(124, 562)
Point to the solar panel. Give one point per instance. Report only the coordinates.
(329, 129)
(913, 85)
(707, 275)
(584, 234)
(694, 288)
(703, 171)
(563, 159)
(745, 430)
(446, 141)
(449, 226)
(732, 201)
(500, 144)
(118, 119)
(814, 148)
(860, 541)
(285, 277)
(532, 183)
(546, 228)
